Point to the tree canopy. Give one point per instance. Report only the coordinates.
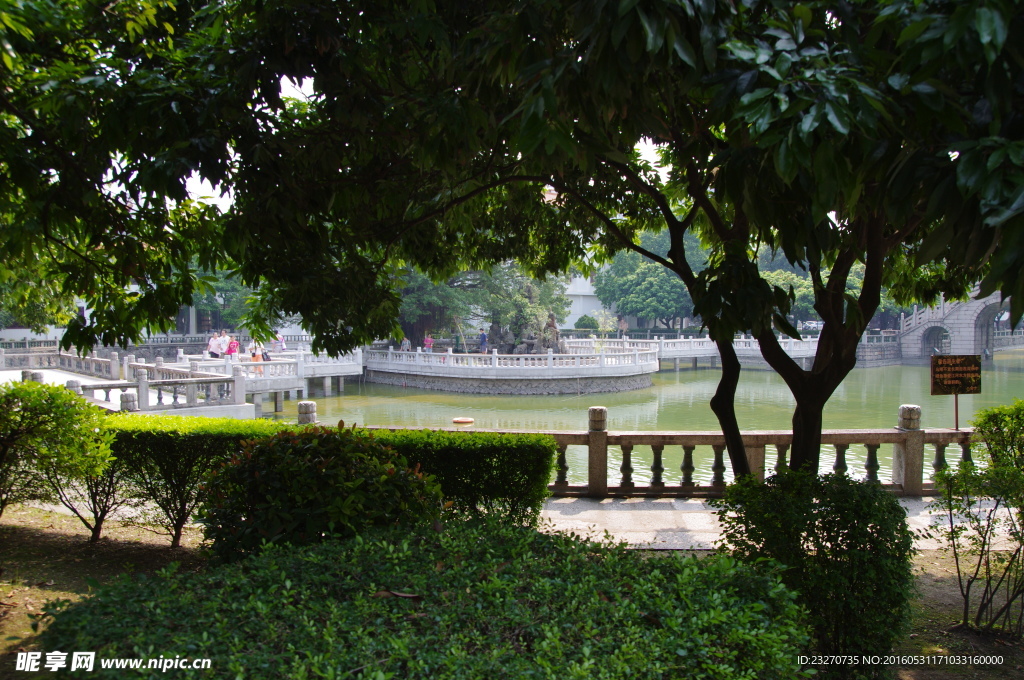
(446, 136)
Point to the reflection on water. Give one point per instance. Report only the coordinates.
(868, 398)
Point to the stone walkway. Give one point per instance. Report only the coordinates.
(675, 523)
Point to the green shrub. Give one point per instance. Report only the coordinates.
(585, 322)
(504, 474)
(169, 458)
(847, 549)
(477, 601)
(980, 503)
(46, 429)
(300, 487)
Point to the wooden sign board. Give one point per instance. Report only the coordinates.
(956, 374)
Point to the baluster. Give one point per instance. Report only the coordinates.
(940, 458)
(840, 464)
(627, 466)
(718, 467)
(872, 462)
(780, 463)
(965, 452)
(687, 467)
(106, 393)
(657, 469)
(160, 394)
(561, 466)
(174, 396)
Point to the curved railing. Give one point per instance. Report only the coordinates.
(686, 348)
(494, 365)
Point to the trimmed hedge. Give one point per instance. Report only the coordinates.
(166, 459)
(482, 472)
(303, 487)
(169, 457)
(478, 601)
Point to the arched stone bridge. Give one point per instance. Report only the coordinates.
(970, 327)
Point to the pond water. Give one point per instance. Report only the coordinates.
(868, 398)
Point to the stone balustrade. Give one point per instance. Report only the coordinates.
(510, 366)
(909, 445)
(181, 392)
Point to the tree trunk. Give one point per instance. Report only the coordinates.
(723, 404)
(807, 419)
(97, 529)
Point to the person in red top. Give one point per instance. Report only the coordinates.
(428, 343)
(232, 350)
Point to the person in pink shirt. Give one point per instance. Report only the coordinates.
(428, 343)
(232, 351)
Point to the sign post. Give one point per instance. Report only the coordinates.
(956, 374)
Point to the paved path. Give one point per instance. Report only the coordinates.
(674, 523)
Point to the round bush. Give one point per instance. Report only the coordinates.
(847, 548)
(300, 487)
(477, 601)
(586, 322)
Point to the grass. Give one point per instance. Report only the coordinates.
(46, 555)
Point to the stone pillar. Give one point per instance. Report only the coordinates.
(36, 376)
(755, 459)
(3, 359)
(278, 401)
(179, 357)
(328, 387)
(908, 455)
(126, 369)
(26, 376)
(193, 368)
(129, 401)
(142, 375)
(597, 454)
(307, 412)
(115, 366)
(238, 374)
(74, 385)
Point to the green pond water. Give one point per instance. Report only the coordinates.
(868, 398)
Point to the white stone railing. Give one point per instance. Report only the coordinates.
(281, 364)
(686, 348)
(494, 365)
(908, 441)
(143, 394)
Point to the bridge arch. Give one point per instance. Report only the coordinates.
(935, 339)
(984, 328)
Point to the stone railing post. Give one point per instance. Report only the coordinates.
(26, 376)
(755, 459)
(300, 365)
(36, 376)
(908, 455)
(494, 358)
(142, 375)
(238, 375)
(3, 359)
(597, 453)
(74, 385)
(179, 358)
(126, 370)
(129, 401)
(307, 412)
(193, 368)
(115, 366)
(551, 358)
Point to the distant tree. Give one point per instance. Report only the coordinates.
(585, 322)
(225, 296)
(636, 286)
(428, 307)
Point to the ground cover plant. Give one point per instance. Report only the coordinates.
(477, 600)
